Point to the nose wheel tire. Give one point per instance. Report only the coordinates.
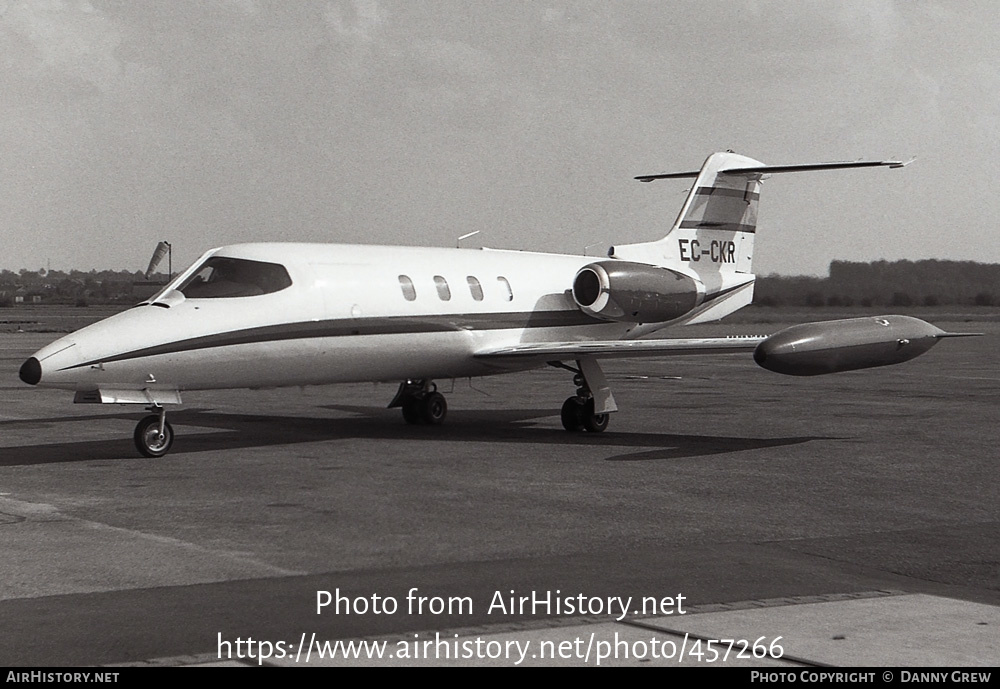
(147, 437)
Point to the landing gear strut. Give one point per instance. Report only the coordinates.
(421, 402)
(579, 413)
(153, 435)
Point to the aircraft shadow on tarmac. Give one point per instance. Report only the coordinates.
(238, 431)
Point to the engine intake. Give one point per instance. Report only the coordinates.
(633, 292)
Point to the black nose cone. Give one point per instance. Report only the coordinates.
(31, 371)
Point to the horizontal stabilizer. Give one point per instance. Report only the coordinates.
(772, 169)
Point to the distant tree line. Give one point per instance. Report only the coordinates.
(883, 283)
(74, 287)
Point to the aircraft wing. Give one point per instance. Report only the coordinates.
(620, 349)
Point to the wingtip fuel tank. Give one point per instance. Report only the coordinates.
(812, 349)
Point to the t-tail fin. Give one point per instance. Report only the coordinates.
(712, 238)
(720, 200)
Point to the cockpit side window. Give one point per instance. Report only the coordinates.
(220, 277)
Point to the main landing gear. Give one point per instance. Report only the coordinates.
(578, 415)
(587, 411)
(153, 435)
(421, 402)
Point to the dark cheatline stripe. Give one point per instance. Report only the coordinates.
(341, 327)
(735, 193)
(726, 226)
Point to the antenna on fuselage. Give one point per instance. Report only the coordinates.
(458, 243)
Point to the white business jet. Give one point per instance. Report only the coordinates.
(280, 314)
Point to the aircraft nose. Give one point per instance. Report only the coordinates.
(31, 371)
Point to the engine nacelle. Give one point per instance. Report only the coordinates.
(633, 292)
(812, 349)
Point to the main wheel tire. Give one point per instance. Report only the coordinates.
(594, 423)
(572, 414)
(435, 408)
(412, 411)
(147, 437)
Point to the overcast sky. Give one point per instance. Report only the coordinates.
(214, 122)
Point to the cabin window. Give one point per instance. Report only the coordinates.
(475, 288)
(220, 277)
(442, 287)
(406, 284)
(505, 289)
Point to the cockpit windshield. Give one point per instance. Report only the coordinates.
(220, 276)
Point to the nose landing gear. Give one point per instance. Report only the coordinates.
(153, 435)
(421, 402)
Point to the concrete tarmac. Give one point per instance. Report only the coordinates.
(717, 481)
